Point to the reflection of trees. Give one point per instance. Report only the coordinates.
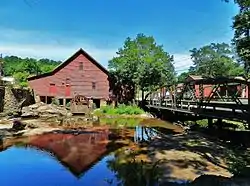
(128, 169)
(143, 134)
(131, 172)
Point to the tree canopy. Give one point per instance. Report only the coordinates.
(241, 25)
(213, 60)
(183, 76)
(142, 64)
(22, 68)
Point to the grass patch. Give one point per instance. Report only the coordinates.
(202, 123)
(226, 124)
(119, 110)
(238, 125)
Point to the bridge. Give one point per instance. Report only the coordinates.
(211, 98)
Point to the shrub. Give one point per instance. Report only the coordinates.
(55, 102)
(203, 123)
(68, 105)
(236, 163)
(121, 110)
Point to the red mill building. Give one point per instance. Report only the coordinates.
(79, 75)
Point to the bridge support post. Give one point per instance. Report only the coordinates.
(219, 123)
(210, 123)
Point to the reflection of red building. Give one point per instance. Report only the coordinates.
(76, 152)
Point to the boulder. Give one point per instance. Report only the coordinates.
(44, 110)
(147, 115)
(18, 125)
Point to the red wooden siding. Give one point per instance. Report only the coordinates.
(52, 89)
(207, 89)
(76, 77)
(67, 91)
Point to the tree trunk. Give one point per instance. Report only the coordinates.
(142, 94)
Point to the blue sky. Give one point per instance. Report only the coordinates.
(49, 29)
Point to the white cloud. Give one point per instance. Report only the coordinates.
(26, 45)
(55, 52)
(43, 45)
(182, 62)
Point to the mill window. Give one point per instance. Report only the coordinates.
(81, 66)
(67, 81)
(93, 85)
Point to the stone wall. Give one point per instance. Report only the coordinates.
(13, 99)
(2, 92)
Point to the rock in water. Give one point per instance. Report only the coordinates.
(18, 125)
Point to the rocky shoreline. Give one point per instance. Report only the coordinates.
(40, 118)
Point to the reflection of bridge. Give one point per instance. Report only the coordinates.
(219, 98)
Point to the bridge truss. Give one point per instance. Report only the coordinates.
(221, 98)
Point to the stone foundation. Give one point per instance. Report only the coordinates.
(13, 99)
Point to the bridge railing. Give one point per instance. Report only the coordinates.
(223, 109)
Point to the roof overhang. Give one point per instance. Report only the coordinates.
(65, 63)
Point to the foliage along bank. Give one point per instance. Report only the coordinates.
(213, 60)
(119, 110)
(22, 68)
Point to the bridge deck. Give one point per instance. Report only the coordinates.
(213, 109)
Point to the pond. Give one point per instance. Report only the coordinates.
(79, 157)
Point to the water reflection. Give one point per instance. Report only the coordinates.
(76, 152)
(83, 153)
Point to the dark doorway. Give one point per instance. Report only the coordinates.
(43, 99)
(97, 103)
(60, 101)
(49, 99)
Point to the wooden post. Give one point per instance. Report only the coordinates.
(201, 92)
(210, 122)
(248, 105)
(175, 94)
(219, 122)
(64, 102)
(226, 91)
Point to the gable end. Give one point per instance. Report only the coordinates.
(65, 63)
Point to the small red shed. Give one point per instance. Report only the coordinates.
(80, 74)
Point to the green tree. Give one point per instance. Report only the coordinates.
(142, 64)
(214, 60)
(183, 76)
(21, 78)
(241, 25)
(21, 68)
